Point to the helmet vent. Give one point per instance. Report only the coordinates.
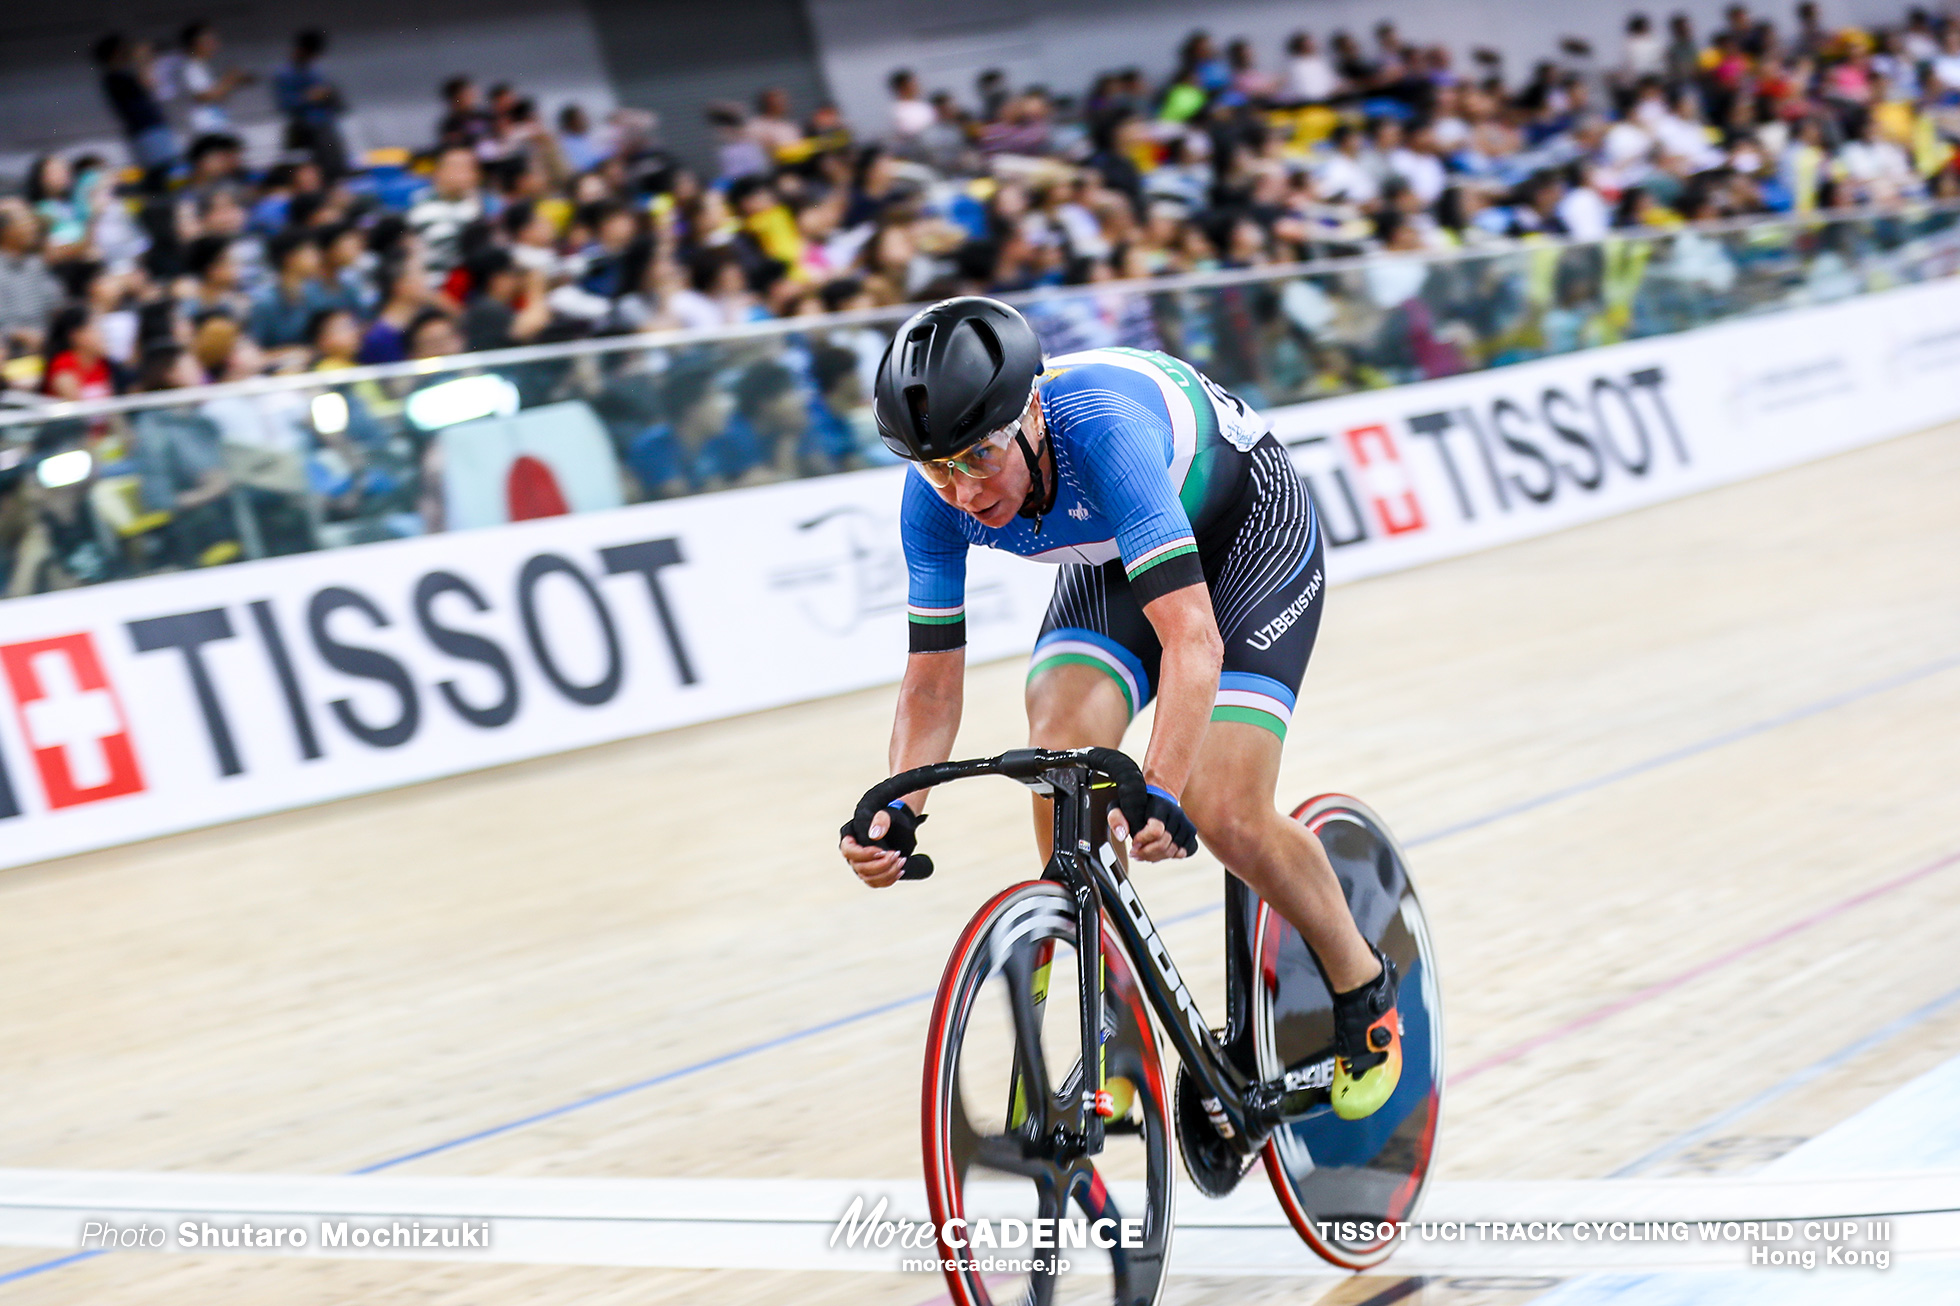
(990, 342)
(915, 404)
(917, 341)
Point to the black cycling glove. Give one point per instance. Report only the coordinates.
(1163, 807)
(902, 837)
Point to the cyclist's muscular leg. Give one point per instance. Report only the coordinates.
(1230, 799)
(1072, 706)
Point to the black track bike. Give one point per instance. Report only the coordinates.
(1027, 1118)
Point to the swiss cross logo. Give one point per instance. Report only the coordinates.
(1385, 478)
(71, 719)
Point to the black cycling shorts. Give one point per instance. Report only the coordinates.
(1262, 563)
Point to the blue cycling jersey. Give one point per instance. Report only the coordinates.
(1148, 453)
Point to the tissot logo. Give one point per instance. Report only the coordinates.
(341, 621)
(72, 722)
(1500, 454)
(1397, 509)
(83, 745)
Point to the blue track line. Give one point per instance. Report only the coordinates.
(666, 1077)
(1515, 809)
(27, 1271)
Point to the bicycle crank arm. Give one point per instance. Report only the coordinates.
(1302, 1091)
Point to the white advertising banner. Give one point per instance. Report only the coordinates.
(1415, 473)
(140, 708)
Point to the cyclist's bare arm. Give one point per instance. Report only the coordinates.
(1187, 688)
(930, 700)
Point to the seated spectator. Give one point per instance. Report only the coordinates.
(763, 441)
(508, 307)
(718, 292)
(283, 310)
(291, 193)
(1872, 170)
(1418, 162)
(1249, 83)
(221, 213)
(1023, 127)
(771, 229)
(1943, 70)
(406, 297)
(51, 192)
(1310, 77)
(181, 466)
(29, 292)
(613, 227)
(346, 266)
(115, 237)
(216, 159)
(1341, 175)
(453, 201)
(532, 239)
(833, 442)
(432, 334)
(1583, 212)
(266, 442)
(77, 360)
(666, 458)
(210, 281)
(334, 337)
(826, 135)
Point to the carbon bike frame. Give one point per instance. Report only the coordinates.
(1084, 864)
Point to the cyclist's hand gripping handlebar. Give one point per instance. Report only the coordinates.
(1132, 798)
(900, 836)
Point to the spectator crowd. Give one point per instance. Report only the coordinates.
(195, 263)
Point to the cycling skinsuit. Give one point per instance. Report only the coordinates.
(1164, 480)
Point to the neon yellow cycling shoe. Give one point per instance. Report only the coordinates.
(1367, 1045)
(1116, 1099)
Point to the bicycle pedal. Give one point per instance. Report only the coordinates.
(1306, 1088)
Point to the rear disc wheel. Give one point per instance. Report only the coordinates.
(1367, 1174)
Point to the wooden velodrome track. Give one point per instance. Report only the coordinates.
(1627, 756)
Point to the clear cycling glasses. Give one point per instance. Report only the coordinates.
(983, 460)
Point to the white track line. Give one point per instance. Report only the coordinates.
(788, 1223)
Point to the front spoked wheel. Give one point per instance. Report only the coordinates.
(1003, 1076)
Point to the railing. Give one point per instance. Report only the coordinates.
(105, 489)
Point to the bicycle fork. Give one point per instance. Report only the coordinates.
(1242, 1110)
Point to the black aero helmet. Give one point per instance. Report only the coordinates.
(955, 372)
